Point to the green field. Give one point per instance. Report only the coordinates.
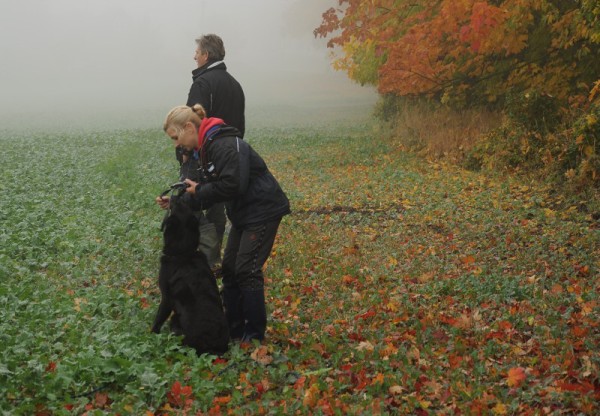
(397, 286)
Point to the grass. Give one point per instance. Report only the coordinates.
(396, 286)
(440, 132)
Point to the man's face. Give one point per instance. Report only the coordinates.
(200, 57)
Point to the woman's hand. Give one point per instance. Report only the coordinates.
(192, 186)
(163, 201)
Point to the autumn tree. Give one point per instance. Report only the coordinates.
(537, 60)
(467, 51)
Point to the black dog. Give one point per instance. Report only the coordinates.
(187, 285)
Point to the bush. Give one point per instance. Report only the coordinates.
(535, 136)
(388, 107)
(514, 147)
(581, 160)
(535, 111)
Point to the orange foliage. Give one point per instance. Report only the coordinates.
(465, 49)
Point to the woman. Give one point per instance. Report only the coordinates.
(232, 172)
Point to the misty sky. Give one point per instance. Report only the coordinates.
(69, 60)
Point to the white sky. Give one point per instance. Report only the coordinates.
(72, 60)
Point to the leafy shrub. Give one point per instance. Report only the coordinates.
(525, 140)
(388, 107)
(514, 147)
(534, 110)
(581, 160)
(536, 137)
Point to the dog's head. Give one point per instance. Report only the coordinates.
(180, 229)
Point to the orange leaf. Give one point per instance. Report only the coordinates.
(348, 280)
(179, 396)
(378, 379)
(221, 400)
(261, 355)
(311, 396)
(579, 331)
(467, 260)
(516, 376)
(101, 400)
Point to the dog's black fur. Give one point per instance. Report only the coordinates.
(187, 285)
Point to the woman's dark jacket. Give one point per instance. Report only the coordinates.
(237, 175)
(219, 93)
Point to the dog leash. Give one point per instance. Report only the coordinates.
(179, 186)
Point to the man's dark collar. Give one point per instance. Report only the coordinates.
(207, 66)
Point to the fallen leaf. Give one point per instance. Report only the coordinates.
(222, 400)
(365, 345)
(311, 396)
(500, 409)
(516, 376)
(261, 355)
(51, 367)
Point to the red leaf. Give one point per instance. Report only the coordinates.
(144, 304)
(354, 336)
(294, 342)
(51, 367)
(299, 384)
(448, 320)
(369, 314)
(179, 396)
(583, 387)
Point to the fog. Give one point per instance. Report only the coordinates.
(125, 63)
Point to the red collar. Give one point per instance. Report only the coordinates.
(206, 124)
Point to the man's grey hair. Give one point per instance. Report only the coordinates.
(213, 45)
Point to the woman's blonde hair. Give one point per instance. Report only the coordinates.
(182, 114)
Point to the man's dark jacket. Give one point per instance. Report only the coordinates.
(238, 176)
(219, 93)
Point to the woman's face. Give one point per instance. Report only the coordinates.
(186, 138)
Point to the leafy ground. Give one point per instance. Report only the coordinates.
(397, 286)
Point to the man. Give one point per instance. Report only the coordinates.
(213, 87)
(222, 96)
